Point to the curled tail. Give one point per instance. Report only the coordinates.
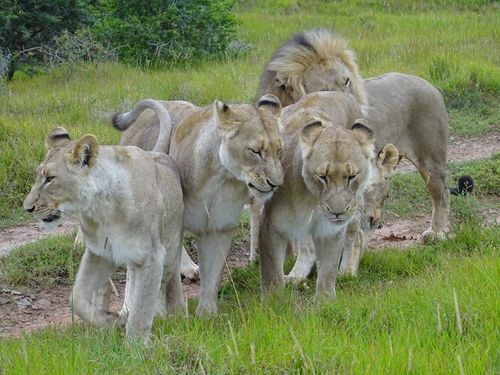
(465, 186)
(123, 120)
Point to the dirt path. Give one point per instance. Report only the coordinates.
(47, 307)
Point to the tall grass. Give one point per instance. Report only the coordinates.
(433, 309)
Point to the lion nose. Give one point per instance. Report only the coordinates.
(335, 213)
(31, 209)
(271, 184)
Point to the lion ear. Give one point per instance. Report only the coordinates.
(85, 152)
(224, 117)
(388, 157)
(56, 137)
(311, 131)
(271, 104)
(363, 131)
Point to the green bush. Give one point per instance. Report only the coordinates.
(150, 31)
(26, 25)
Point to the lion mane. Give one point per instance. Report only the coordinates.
(314, 49)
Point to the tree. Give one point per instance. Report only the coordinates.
(26, 25)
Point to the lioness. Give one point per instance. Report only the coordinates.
(129, 203)
(404, 110)
(222, 151)
(358, 230)
(327, 166)
(144, 134)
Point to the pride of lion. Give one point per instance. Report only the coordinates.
(315, 155)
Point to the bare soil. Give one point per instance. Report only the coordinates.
(23, 312)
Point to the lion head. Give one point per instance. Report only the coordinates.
(61, 177)
(316, 60)
(337, 166)
(250, 143)
(377, 191)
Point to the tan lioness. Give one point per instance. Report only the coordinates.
(327, 165)
(130, 207)
(222, 151)
(404, 110)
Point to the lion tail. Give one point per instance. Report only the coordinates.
(123, 120)
(465, 186)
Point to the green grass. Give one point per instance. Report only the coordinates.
(53, 259)
(398, 316)
(452, 44)
(409, 197)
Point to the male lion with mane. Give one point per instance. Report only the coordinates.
(404, 110)
(130, 207)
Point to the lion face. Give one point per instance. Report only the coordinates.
(251, 145)
(334, 76)
(378, 189)
(336, 167)
(59, 178)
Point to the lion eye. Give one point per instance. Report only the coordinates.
(48, 179)
(351, 177)
(256, 152)
(322, 178)
(347, 82)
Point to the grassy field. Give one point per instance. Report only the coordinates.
(431, 309)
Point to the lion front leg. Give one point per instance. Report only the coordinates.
(272, 256)
(352, 251)
(255, 213)
(306, 259)
(328, 253)
(90, 295)
(214, 247)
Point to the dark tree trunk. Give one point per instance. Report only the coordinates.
(12, 69)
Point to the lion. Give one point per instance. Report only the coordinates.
(327, 162)
(129, 204)
(358, 230)
(144, 134)
(223, 152)
(404, 110)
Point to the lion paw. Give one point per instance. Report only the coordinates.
(191, 273)
(431, 236)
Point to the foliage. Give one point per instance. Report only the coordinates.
(25, 25)
(149, 31)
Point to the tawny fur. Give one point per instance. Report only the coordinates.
(130, 207)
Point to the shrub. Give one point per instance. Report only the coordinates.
(25, 25)
(150, 31)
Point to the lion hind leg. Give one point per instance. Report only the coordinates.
(435, 181)
(440, 209)
(143, 297)
(175, 301)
